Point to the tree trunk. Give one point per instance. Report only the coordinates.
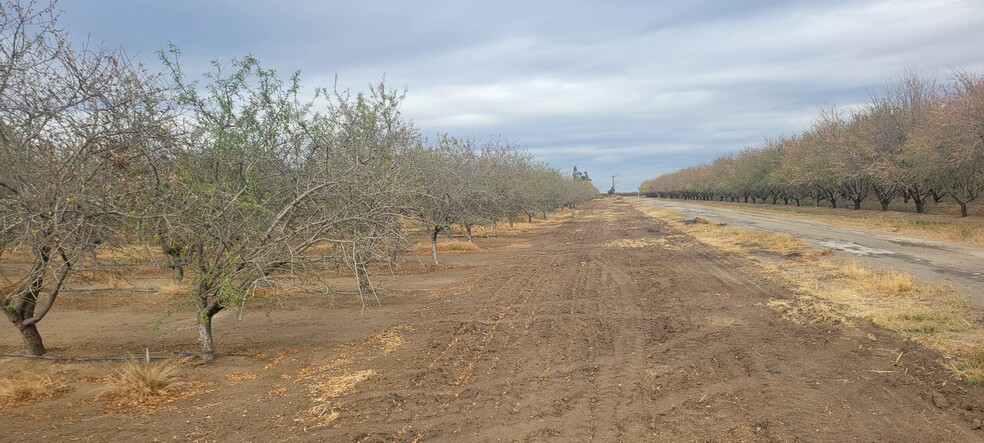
(434, 244)
(448, 233)
(529, 217)
(495, 225)
(178, 273)
(963, 208)
(205, 335)
(362, 275)
(468, 233)
(510, 222)
(32, 339)
(920, 204)
(797, 201)
(544, 215)
(884, 205)
(857, 204)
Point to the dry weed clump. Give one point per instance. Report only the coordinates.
(31, 389)
(808, 310)
(138, 383)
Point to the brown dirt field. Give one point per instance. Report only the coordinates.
(610, 326)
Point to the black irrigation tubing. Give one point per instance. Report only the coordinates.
(93, 359)
(110, 289)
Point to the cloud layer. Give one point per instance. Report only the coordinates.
(634, 88)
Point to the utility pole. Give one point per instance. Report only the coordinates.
(612, 190)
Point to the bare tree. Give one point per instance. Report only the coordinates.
(366, 143)
(75, 130)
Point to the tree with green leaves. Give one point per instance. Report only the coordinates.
(258, 176)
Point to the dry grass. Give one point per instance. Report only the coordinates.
(240, 376)
(125, 254)
(138, 383)
(949, 315)
(743, 241)
(31, 389)
(391, 339)
(644, 242)
(446, 246)
(808, 310)
(884, 282)
(968, 230)
(970, 367)
(324, 390)
(118, 281)
(334, 386)
(173, 290)
(836, 290)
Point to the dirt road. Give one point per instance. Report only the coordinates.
(579, 339)
(609, 326)
(960, 266)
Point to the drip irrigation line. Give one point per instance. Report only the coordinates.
(93, 359)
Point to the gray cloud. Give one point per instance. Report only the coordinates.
(636, 88)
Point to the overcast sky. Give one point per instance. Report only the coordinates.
(634, 88)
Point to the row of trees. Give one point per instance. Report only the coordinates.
(916, 140)
(234, 176)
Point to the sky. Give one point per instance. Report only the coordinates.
(628, 88)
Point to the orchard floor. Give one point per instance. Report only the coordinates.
(607, 326)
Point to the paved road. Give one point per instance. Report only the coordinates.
(960, 266)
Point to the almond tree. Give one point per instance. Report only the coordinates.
(951, 141)
(76, 140)
(875, 134)
(913, 98)
(260, 176)
(440, 185)
(366, 143)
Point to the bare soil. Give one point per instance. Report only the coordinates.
(582, 335)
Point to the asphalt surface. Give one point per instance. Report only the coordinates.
(960, 266)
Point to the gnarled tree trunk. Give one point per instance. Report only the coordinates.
(434, 233)
(205, 337)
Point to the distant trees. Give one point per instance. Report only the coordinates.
(917, 140)
(469, 182)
